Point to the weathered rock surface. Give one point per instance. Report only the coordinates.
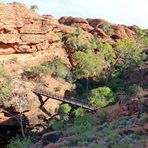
(95, 26)
(122, 31)
(23, 31)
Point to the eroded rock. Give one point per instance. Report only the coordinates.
(23, 30)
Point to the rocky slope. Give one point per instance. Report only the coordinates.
(28, 39)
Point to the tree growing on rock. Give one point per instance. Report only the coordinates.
(34, 7)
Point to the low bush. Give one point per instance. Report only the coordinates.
(64, 111)
(101, 96)
(5, 89)
(135, 91)
(40, 69)
(79, 112)
(58, 125)
(20, 142)
(82, 126)
(57, 68)
(104, 115)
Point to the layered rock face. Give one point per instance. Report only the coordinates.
(23, 31)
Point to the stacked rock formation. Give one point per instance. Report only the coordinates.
(23, 31)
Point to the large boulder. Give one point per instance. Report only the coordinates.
(122, 31)
(95, 22)
(70, 20)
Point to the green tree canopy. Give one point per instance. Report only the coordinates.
(88, 63)
(101, 96)
(130, 51)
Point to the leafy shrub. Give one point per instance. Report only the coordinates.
(101, 96)
(5, 89)
(82, 126)
(135, 91)
(104, 115)
(40, 69)
(57, 68)
(64, 111)
(106, 27)
(20, 142)
(79, 112)
(130, 51)
(108, 52)
(116, 84)
(58, 125)
(123, 145)
(88, 64)
(78, 41)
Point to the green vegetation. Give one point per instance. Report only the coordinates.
(57, 68)
(2, 71)
(101, 96)
(82, 126)
(107, 29)
(88, 64)
(77, 42)
(144, 118)
(5, 89)
(135, 91)
(98, 71)
(130, 52)
(79, 112)
(104, 116)
(64, 111)
(20, 142)
(34, 7)
(40, 69)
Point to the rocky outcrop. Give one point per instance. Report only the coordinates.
(97, 27)
(27, 39)
(99, 32)
(95, 23)
(24, 31)
(70, 20)
(122, 31)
